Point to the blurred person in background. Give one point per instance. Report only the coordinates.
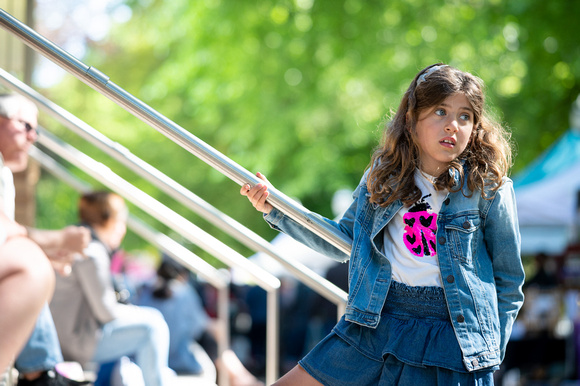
(175, 296)
(103, 329)
(25, 263)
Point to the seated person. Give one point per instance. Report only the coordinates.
(26, 284)
(104, 330)
(24, 266)
(174, 295)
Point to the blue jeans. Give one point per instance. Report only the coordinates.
(141, 334)
(42, 351)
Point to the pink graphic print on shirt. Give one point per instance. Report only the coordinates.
(420, 229)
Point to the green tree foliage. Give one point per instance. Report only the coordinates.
(300, 89)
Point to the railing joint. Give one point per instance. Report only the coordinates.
(97, 75)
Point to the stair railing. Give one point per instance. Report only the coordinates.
(185, 228)
(101, 83)
(178, 192)
(166, 244)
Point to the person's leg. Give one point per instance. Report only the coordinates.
(141, 333)
(182, 360)
(297, 376)
(237, 373)
(37, 361)
(42, 351)
(26, 284)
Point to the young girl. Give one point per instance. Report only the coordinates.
(435, 276)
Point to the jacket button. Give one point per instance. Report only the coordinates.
(474, 362)
(460, 318)
(442, 240)
(450, 279)
(466, 225)
(447, 201)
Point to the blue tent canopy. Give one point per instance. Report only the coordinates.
(561, 156)
(547, 194)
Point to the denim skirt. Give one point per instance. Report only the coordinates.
(414, 344)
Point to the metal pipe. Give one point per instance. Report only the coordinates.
(223, 312)
(156, 209)
(174, 249)
(340, 310)
(272, 332)
(179, 253)
(175, 190)
(166, 244)
(100, 82)
(181, 225)
(51, 165)
(195, 263)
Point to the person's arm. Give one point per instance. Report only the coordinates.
(281, 222)
(502, 238)
(95, 279)
(258, 196)
(61, 244)
(10, 228)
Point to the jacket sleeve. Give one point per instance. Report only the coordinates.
(96, 282)
(502, 237)
(345, 225)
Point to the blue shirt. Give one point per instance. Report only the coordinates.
(478, 250)
(187, 320)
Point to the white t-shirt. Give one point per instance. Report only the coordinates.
(8, 193)
(7, 196)
(410, 237)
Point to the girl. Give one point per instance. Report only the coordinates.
(435, 276)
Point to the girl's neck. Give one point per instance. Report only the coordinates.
(427, 175)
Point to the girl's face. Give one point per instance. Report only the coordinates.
(443, 132)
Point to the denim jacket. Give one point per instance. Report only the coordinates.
(478, 249)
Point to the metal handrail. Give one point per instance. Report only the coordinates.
(188, 230)
(178, 192)
(164, 243)
(106, 176)
(195, 263)
(101, 82)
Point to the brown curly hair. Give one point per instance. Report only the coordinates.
(487, 156)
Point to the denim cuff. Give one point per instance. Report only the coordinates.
(274, 217)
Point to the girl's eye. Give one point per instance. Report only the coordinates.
(440, 112)
(465, 117)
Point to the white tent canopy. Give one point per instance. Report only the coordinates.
(547, 212)
(547, 195)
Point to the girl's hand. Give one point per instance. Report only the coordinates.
(258, 195)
